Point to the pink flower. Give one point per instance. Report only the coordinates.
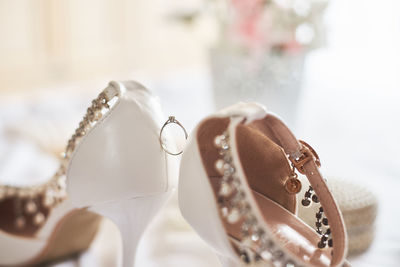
(247, 15)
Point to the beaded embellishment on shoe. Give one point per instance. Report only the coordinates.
(255, 244)
(25, 209)
(321, 224)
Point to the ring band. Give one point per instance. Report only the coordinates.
(171, 119)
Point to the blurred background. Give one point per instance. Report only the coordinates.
(329, 68)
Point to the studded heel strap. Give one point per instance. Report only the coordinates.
(24, 210)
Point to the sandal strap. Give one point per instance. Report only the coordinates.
(295, 151)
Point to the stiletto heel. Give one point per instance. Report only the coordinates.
(118, 169)
(113, 165)
(132, 216)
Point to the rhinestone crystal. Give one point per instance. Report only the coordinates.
(57, 182)
(257, 235)
(219, 166)
(266, 255)
(38, 219)
(225, 189)
(233, 216)
(219, 141)
(48, 199)
(225, 211)
(30, 207)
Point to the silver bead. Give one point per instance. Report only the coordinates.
(98, 115)
(219, 140)
(266, 255)
(219, 165)
(30, 207)
(48, 199)
(38, 219)
(61, 183)
(233, 216)
(225, 189)
(225, 146)
(289, 263)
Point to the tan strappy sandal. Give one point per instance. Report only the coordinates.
(238, 186)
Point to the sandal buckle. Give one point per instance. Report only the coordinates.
(307, 154)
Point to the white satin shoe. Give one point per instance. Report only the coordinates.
(114, 166)
(238, 186)
(117, 167)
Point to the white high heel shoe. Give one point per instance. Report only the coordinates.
(238, 187)
(118, 168)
